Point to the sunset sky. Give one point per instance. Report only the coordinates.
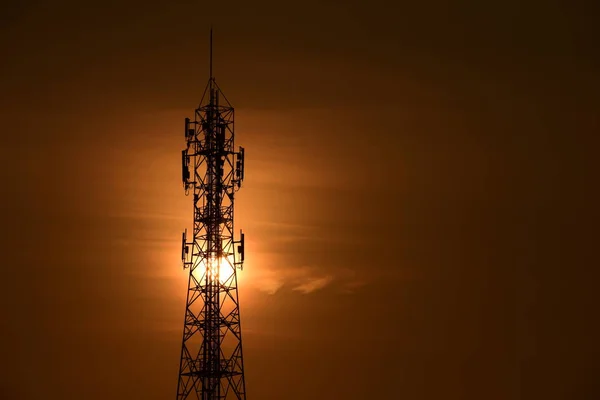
(419, 206)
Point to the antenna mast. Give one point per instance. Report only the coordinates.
(211, 45)
(211, 363)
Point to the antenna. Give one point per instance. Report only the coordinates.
(211, 34)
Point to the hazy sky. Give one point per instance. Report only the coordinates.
(419, 204)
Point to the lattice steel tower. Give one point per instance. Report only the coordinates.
(211, 365)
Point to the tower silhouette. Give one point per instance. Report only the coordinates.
(211, 364)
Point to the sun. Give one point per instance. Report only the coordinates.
(225, 269)
(221, 268)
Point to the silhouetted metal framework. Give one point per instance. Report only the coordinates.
(211, 364)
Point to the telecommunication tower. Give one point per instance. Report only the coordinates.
(211, 365)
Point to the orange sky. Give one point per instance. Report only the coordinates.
(411, 171)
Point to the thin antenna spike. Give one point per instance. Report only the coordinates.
(211, 52)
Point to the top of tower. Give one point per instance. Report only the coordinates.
(211, 52)
(212, 90)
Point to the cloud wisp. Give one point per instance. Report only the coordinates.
(303, 280)
(313, 284)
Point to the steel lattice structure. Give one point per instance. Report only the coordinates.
(211, 365)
